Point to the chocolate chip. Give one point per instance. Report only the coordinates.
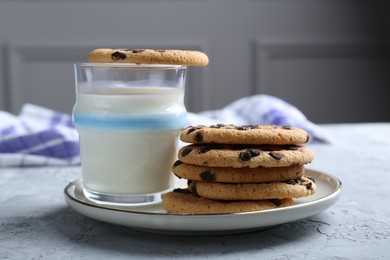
(185, 152)
(307, 138)
(248, 154)
(192, 129)
(161, 50)
(118, 56)
(207, 176)
(275, 155)
(245, 156)
(299, 181)
(291, 182)
(276, 202)
(138, 50)
(198, 137)
(254, 153)
(311, 178)
(177, 163)
(309, 185)
(286, 127)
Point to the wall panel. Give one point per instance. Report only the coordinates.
(331, 81)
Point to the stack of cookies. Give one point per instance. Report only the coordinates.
(240, 168)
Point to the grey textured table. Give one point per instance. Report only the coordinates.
(36, 223)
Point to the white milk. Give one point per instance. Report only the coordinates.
(128, 138)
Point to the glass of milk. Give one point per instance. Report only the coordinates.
(128, 117)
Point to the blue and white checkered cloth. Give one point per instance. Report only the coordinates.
(261, 109)
(39, 136)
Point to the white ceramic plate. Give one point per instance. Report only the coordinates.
(153, 218)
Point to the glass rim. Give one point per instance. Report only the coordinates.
(129, 66)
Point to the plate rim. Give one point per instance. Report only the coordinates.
(163, 223)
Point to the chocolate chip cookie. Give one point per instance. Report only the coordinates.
(236, 175)
(296, 188)
(182, 201)
(246, 134)
(252, 156)
(240, 168)
(149, 56)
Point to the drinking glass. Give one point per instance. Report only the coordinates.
(128, 117)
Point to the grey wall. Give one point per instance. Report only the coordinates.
(329, 58)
